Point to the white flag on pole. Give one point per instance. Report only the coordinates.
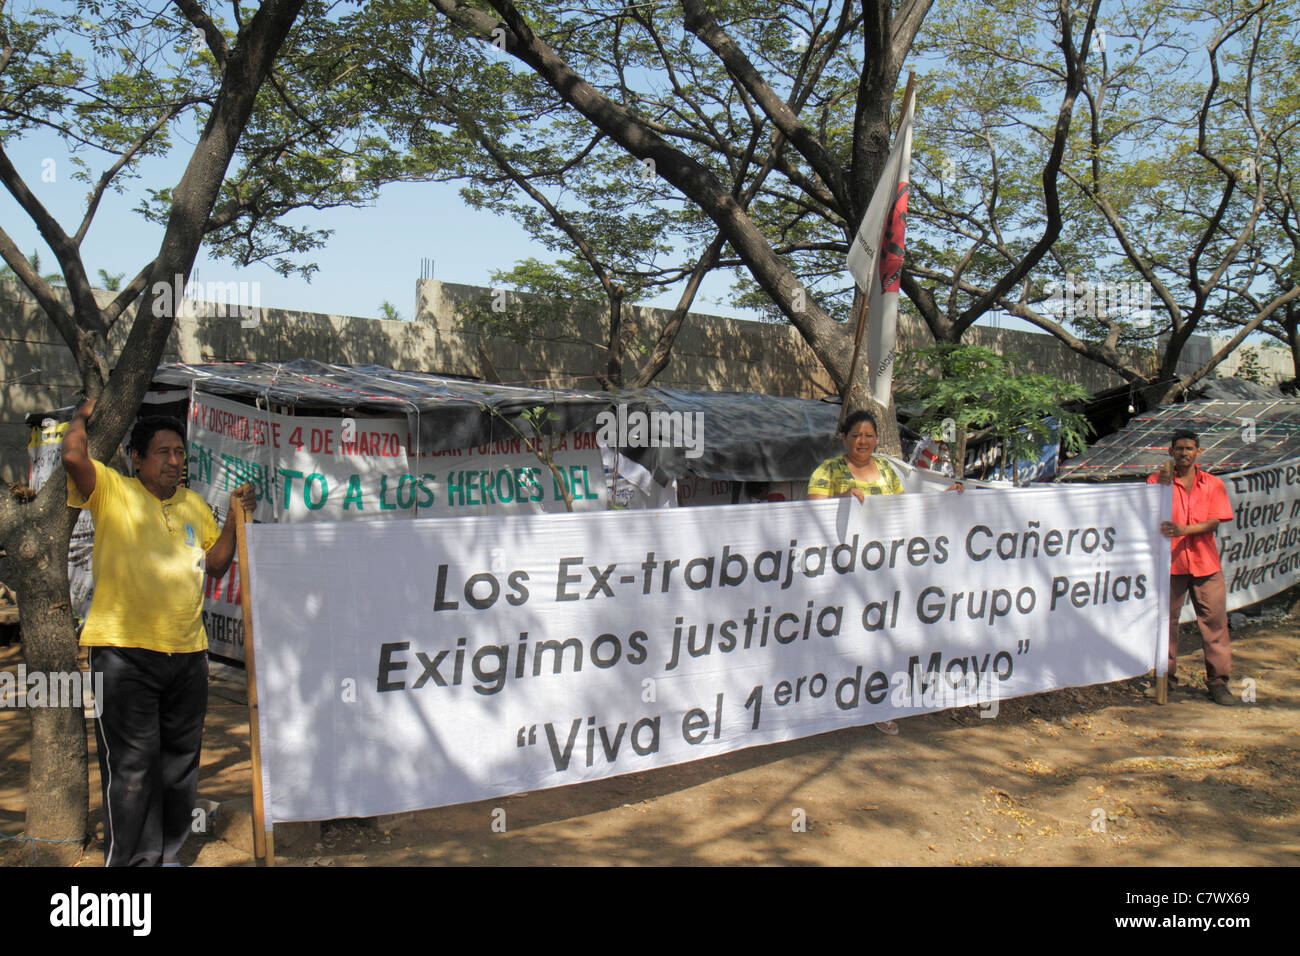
(876, 257)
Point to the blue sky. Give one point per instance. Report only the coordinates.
(373, 256)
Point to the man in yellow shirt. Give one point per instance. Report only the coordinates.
(154, 540)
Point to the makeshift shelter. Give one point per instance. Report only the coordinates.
(746, 437)
(1234, 436)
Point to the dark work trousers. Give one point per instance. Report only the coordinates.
(1210, 599)
(148, 734)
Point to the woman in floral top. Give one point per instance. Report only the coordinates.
(856, 472)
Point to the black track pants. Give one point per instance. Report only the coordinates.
(148, 733)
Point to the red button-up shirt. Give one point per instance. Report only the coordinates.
(1197, 554)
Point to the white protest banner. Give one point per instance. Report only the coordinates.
(419, 664)
(507, 477)
(228, 444)
(335, 469)
(1260, 549)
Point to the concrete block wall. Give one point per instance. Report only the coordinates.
(711, 352)
(1275, 361)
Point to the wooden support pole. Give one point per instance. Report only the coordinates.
(860, 319)
(263, 835)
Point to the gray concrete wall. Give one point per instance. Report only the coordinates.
(712, 353)
(1275, 362)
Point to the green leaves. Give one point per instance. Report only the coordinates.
(119, 82)
(976, 390)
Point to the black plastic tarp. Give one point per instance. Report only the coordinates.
(746, 437)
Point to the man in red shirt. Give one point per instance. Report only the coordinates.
(1200, 503)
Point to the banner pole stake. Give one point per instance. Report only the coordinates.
(263, 835)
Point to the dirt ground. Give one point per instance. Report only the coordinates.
(1098, 776)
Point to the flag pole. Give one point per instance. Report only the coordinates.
(860, 316)
(263, 836)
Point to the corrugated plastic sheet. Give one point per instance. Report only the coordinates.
(1234, 435)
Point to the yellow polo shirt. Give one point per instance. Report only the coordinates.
(148, 565)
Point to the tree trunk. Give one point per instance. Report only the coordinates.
(1157, 393)
(57, 786)
(612, 377)
(858, 395)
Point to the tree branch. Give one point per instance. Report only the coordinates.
(693, 179)
(39, 288)
(1074, 63)
(700, 22)
(65, 250)
(212, 35)
(1290, 296)
(98, 193)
